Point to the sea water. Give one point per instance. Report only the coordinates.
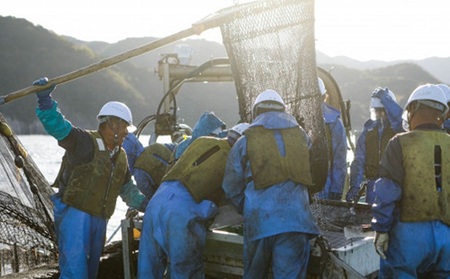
(47, 154)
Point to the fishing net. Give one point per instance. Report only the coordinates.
(270, 45)
(26, 221)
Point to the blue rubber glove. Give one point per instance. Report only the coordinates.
(46, 92)
(379, 92)
(44, 96)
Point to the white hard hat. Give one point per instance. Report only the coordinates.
(240, 128)
(185, 128)
(269, 99)
(376, 102)
(430, 95)
(446, 90)
(181, 133)
(116, 109)
(322, 88)
(236, 132)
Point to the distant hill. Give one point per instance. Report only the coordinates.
(150, 59)
(439, 67)
(28, 52)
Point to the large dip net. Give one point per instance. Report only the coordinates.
(26, 220)
(270, 45)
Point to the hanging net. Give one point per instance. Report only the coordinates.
(26, 220)
(270, 45)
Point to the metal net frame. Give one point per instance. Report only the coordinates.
(270, 45)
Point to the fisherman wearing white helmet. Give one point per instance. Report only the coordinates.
(266, 178)
(411, 212)
(236, 132)
(93, 173)
(148, 164)
(174, 225)
(337, 149)
(385, 122)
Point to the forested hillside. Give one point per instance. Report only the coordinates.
(28, 52)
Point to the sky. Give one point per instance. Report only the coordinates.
(365, 30)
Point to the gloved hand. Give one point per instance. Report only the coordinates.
(46, 92)
(44, 96)
(131, 213)
(351, 194)
(379, 92)
(381, 243)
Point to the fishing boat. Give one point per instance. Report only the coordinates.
(343, 250)
(270, 44)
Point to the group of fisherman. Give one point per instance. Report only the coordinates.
(264, 170)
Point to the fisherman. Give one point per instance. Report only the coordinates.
(446, 89)
(148, 165)
(207, 125)
(385, 122)
(411, 212)
(174, 224)
(266, 178)
(133, 148)
(151, 166)
(337, 149)
(94, 172)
